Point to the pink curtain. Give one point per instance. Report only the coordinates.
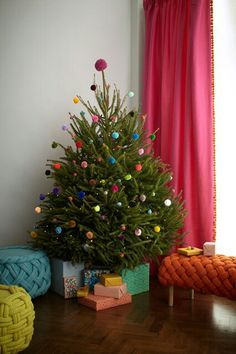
(178, 99)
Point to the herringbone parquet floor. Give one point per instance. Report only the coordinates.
(206, 325)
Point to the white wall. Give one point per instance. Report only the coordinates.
(225, 97)
(48, 49)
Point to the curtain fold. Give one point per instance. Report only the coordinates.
(177, 98)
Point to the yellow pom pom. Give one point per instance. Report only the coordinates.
(157, 228)
(97, 208)
(76, 99)
(37, 210)
(33, 234)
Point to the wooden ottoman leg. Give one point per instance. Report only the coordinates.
(171, 295)
(192, 294)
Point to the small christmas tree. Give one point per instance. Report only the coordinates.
(112, 202)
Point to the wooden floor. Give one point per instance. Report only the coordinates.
(206, 325)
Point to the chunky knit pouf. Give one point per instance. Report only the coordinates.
(210, 275)
(16, 319)
(25, 267)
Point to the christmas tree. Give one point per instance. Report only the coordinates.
(112, 202)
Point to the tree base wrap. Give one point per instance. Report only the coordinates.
(61, 271)
(137, 279)
(99, 303)
(16, 319)
(25, 267)
(208, 275)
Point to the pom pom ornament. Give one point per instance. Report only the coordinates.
(79, 144)
(57, 166)
(141, 151)
(84, 164)
(135, 136)
(72, 223)
(92, 182)
(42, 196)
(131, 94)
(123, 227)
(128, 177)
(121, 254)
(76, 99)
(33, 234)
(115, 135)
(105, 192)
(89, 235)
(115, 188)
(81, 195)
(142, 197)
(58, 230)
(138, 167)
(103, 181)
(99, 159)
(47, 172)
(64, 127)
(167, 202)
(138, 232)
(70, 198)
(97, 208)
(100, 65)
(114, 119)
(111, 160)
(75, 174)
(56, 191)
(157, 228)
(93, 87)
(95, 118)
(119, 204)
(37, 210)
(152, 137)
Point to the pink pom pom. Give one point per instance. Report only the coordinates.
(115, 188)
(100, 65)
(84, 164)
(141, 151)
(95, 119)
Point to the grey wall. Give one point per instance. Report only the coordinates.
(47, 54)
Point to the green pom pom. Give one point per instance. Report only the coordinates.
(54, 145)
(152, 136)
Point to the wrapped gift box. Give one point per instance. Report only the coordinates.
(83, 291)
(190, 251)
(93, 275)
(111, 279)
(209, 249)
(110, 291)
(137, 279)
(70, 287)
(61, 270)
(99, 303)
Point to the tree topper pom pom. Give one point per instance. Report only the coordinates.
(100, 65)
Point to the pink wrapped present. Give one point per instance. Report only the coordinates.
(98, 303)
(209, 249)
(110, 291)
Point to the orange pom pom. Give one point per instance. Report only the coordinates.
(76, 99)
(89, 235)
(138, 167)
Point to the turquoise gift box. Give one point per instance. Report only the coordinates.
(137, 279)
(63, 271)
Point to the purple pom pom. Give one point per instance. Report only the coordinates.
(42, 196)
(100, 65)
(56, 191)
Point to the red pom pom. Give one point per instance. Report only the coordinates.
(57, 166)
(79, 144)
(115, 188)
(100, 65)
(138, 167)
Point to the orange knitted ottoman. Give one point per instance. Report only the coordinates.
(208, 275)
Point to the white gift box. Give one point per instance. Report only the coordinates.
(60, 271)
(209, 249)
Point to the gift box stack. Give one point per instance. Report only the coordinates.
(109, 292)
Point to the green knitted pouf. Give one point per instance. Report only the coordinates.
(25, 267)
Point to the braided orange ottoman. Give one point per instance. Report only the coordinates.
(208, 275)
